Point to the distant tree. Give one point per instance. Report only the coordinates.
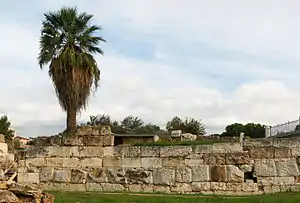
(175, 124)
(101, 119)
(5, 129)
(131, 124)
(250, 130)
(189, 125)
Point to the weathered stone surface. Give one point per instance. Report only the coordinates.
(61, 151)
(246, 168)
(151, 162)
(35, 162)
(92, 162)
(183, 175)
(295, 151)
(111, 162)
(214, 159)
(262, 181)
(115, 175)
(97, 175)
(163, 176)
(107, 187)
(234, 174)
(72, 140)
(193, 162)
(161, 189)
(62, 162)
(238, 158)
(172, 162)
(270, 189)
(93, 187)
(226, 148)
(78, 176)
(175, 151)
(282, 152)
(140, 188)
(92, 140)
(236, 187)
(261, 152)
(28, 177)
(218, 186)
(138, 176)
(203, 149)
(108, 140)
(200, 186)
(265, 168)
(132, 151)
(287, 167)
(218, 173)
(90, 151)
(181, 188)
(34, 152)
(47, 174)
(249, 187)
(149, 151)
(200, 173)
(62, 176)
(128, 162)
(8, 197)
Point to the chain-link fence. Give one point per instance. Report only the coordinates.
(285, 128)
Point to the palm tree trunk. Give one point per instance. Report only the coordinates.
(71, 120)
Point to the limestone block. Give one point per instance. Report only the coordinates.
(218, 186)
(72, 140)
(295, 151)
(161, 189)
(128, 162)
(111, 162)
(138, 176)
(181, 188)
(200, 186)
(62, 176)
(90, 151)
(47, 174)
(270, 189)
(35, 162)
(61, 151)
(3, 148)
(214, 159)
(172, 162)
(28, 178)
(108, 187)
(90, 140)
(193, 162)
(140, 188)
(76, 187)
(183, 175)
(175, 151)
(249, 187)
(227, 148)
(53, 162)
(246, 168)
(282, 152)
(115, 175)
(200, 173)
(238, 158)
(203, 149)
(34, 151)
(287, 167)
(91, 162)
(263, 181)
(149, 162)
(149, 151)
(261, 152)
(236, 187)
(108, 140)
(265, 168)
(218, 173)
(295, 188)
(108, 151)
(78, 176)
(97, 175)
(234, 174)
(163, 176)
(132, 151)
(93, 187)
(71, 162)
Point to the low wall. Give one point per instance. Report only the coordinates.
(207, 169)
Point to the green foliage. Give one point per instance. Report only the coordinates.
(251, 130)
(6, 130)
(189, 125)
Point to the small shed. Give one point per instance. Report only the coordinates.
(129, 139)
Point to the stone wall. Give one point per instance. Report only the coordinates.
(225, 168)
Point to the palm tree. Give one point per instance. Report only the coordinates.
(67, 44)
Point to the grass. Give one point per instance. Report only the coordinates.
(69, 197)
(181, 143)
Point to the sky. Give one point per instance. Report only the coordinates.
(218, 61)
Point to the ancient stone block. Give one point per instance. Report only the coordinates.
(227, 148)
(172, 162)
(28, 177)
(115, 175)
(138, 176)
(295, 151)
(47, 174)
(214, 159)
(108, 187)
(76, 187)
(72, 140)
(128, 162)
(62, 176)
(149, 151)
(200, 173)
(200, 186)
(287, 167)
(238, 158)
(203, 149)
(181, 188)
(108, 151)
(78, 176)
(34, 151)
(183, 175)
(61, 151)
(149, 162)
(161, 189)
(236, 187)
(132, 151)
(108, 140)
(249, 187)
(234, 174)
(282, 152)
(92, 162)
(53, 162)
(175, 151)
(35, 162)
(163, 176)
(270, 189)
(265, 168)
(263, 181)
(140, 188)
(193, 162)
(218, 173)
(90, 151)
(111, 162)
(261, 152)
(97, 175)
(246, 168)
(91, 140)
(218, 186)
